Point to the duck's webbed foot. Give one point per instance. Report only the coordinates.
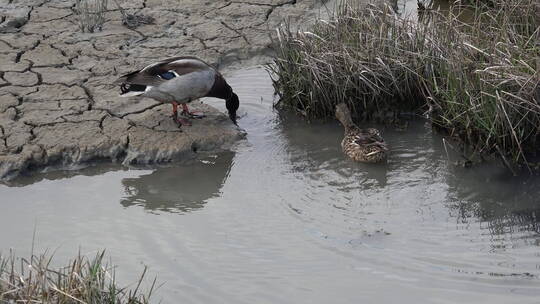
(187, 113)
(184, 122)
(178, 120)
(193, 115)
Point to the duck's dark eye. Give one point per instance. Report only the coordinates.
(167, 75)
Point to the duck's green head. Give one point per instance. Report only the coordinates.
(232, 104)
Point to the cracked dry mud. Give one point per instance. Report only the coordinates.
(57, 104)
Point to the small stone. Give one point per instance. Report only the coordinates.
(21, 79)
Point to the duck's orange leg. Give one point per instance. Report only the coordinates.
(175, 109)
(179, 121)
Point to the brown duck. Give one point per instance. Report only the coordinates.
(362, 145)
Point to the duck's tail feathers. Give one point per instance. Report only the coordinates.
(131, 94)
(125, 78)
(140, 78)
(130, 90)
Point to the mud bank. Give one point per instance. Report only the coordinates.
(57, 104)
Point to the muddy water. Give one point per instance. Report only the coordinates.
(409, 8)
(285, 218)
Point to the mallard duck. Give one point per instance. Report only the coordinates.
(362, 145)
(179, 81)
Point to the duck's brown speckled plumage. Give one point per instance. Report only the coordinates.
(362, 145)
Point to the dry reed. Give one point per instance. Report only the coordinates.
(83, 280)
(91, 14)
(478, 80)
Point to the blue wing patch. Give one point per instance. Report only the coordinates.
(167, 75)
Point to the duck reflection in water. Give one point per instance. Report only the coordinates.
(179, 189)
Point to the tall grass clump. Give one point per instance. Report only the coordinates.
(485, 81)
(83, 280)
(367, 57)
(478, 79)
(91, 14)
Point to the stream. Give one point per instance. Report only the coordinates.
(286, 218)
